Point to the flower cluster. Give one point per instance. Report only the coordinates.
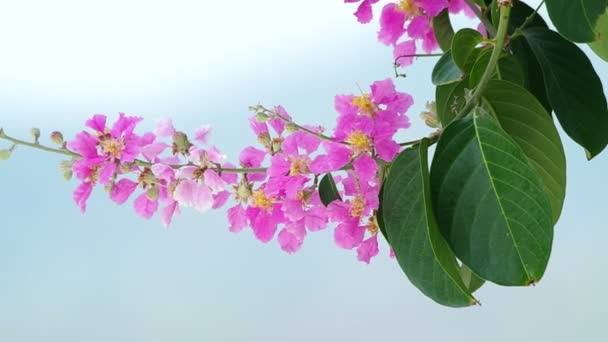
(410, 19)
(275, 189)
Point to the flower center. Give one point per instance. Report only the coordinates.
(409, 7)
(357, 206)
(365, 105)
(112, 147)
(299, 165)
(359, 140)
(372, 226)
(260, 200)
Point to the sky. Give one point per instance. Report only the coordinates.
(111, 276)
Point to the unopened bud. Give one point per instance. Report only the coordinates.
(66, 169)
(243, 191)
(262, 117)
(35, 133)
(181, 144)
(152, 193)
(57, 138)
(291, 127)
(264, 139)
(5, 154)
(430, 115)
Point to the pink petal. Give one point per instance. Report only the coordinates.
(164, 128)
(366, 167)
(201, 134)
(81, 195)
(144, 207)
(122, 190)
(237, 218)
(368, 249)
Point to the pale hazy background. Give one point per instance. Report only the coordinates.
(110, 276)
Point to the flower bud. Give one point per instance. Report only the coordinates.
(430, 115)
(57, 138)
(152, 193)
(5, 154)
(291, 127)
(35, 133)
(66, 169)
(262, 117)
(181, 144)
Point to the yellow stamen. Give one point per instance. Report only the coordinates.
(357, 206)
(365, 105)
(359, 140)
(260, 200)
(299, 165)
(112, 147)
(409, 7)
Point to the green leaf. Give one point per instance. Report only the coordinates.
(520, 13)
(464, 49)
(508, 69)
(573, 88)
(470, 279)
(600, 46)
(490, 203)
(421, 250)
(576, 19)
(526, 121)
(534, 80)
(328, 190)
(444, 32)
(450, 98)
(380, 215)
(445, 71)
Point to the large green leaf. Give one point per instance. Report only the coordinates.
(445, 71)
(534, 81)
(328, 190)
(576, 19)
(444, 32)
(508, 69)
(573, 88)
(464, 44)
(470, 279)
(449, 99)
(520, 13)
(600, 46)
(526, 121)
(490, 203)
(421, 250)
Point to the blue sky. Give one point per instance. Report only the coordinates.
(110, 276)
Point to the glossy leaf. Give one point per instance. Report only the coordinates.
(419, 247)
(576, 19)
(470, 279)
(508, 69)
(490, 203)
(600, 46)
(520, 13)
(328, 190)
(534, 79)
(573, 88)
(527, 122)
(464, 48)
(445, 71)
(444, 32)
(449, 99)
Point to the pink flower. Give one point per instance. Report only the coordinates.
(403, 52)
